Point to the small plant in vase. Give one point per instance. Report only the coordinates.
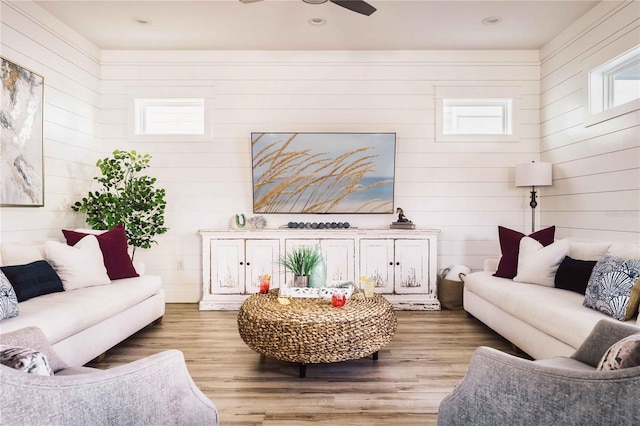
(300, 262)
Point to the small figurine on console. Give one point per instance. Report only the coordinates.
(403, 222)
(401, 216)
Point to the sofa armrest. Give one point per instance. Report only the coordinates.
(500, 389)
(604, 334)
(154, 390)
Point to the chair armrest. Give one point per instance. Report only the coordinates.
(604, 334)
(500, 389)
(154, 390)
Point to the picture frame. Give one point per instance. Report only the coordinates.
(21, 136)
(323, 172)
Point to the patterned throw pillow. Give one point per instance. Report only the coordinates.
(24, 359)
(609, 287)
(8, 299)
(625, 353)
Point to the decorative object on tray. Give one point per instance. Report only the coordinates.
(258, 222)
(300, 261)
(320, 225)
(315, 293)
(402, 222)
(21, 151)
(318, 276)
(238, 221)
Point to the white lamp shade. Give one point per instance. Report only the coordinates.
(533, 174)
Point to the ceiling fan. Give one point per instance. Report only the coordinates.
(359, 6)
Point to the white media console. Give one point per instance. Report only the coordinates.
(402, 262)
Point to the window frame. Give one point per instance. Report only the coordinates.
(599, 71)
(489, 93)
(168, 93)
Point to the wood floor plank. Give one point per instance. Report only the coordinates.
(428, 356)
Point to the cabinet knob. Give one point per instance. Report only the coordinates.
(397, 263)
(390, 263)
(248, 264)
(241, 263)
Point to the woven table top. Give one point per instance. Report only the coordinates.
(313, 331)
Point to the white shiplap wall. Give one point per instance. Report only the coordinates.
(71, 70)
(596, 186)
(465, 189)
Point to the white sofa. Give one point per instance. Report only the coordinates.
(82, 324)
(544, 322)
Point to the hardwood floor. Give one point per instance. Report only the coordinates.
(427, 357)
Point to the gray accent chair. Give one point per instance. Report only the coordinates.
(156, 390)
(501, 389)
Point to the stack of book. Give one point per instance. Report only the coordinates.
(402, 225)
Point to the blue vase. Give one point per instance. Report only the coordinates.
(318, 277)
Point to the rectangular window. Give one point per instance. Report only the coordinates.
(480, 113)
(169, 116)
(615, 83)
(477, 116)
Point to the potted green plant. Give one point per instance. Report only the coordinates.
(300, 261)
(126, 197)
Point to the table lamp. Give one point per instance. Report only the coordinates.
(533, 174)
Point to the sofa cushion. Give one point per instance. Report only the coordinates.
(33, 279)
(25, 359)
(78, 266)
(591, 250)
(113, 244)
(574, 274)
(625, 353)
(634, 301)
(538, 264)
(609, 287)
(60, 315)
(8, 300)
(510, 247)
(21, 254)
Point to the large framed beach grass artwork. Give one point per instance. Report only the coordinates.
(323, 172)
(21, 137)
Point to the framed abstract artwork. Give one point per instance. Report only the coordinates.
(21, 137)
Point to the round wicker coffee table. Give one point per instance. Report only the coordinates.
(312, 331)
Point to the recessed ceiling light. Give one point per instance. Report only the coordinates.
(315, 1)
(142, 20)
(317, 21)
(490, 20)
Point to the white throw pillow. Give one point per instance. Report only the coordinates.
(538, 264)
(78, 266)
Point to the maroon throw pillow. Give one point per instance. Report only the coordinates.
(510, 247)
(113, 245)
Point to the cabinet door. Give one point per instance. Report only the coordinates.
(339, 256)
(376, 261)
(227, 266)
(261, 258)
(411, 266)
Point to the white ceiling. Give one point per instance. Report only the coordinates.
(283, 24)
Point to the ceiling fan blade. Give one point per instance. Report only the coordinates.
(249, 1)
(359, 6)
